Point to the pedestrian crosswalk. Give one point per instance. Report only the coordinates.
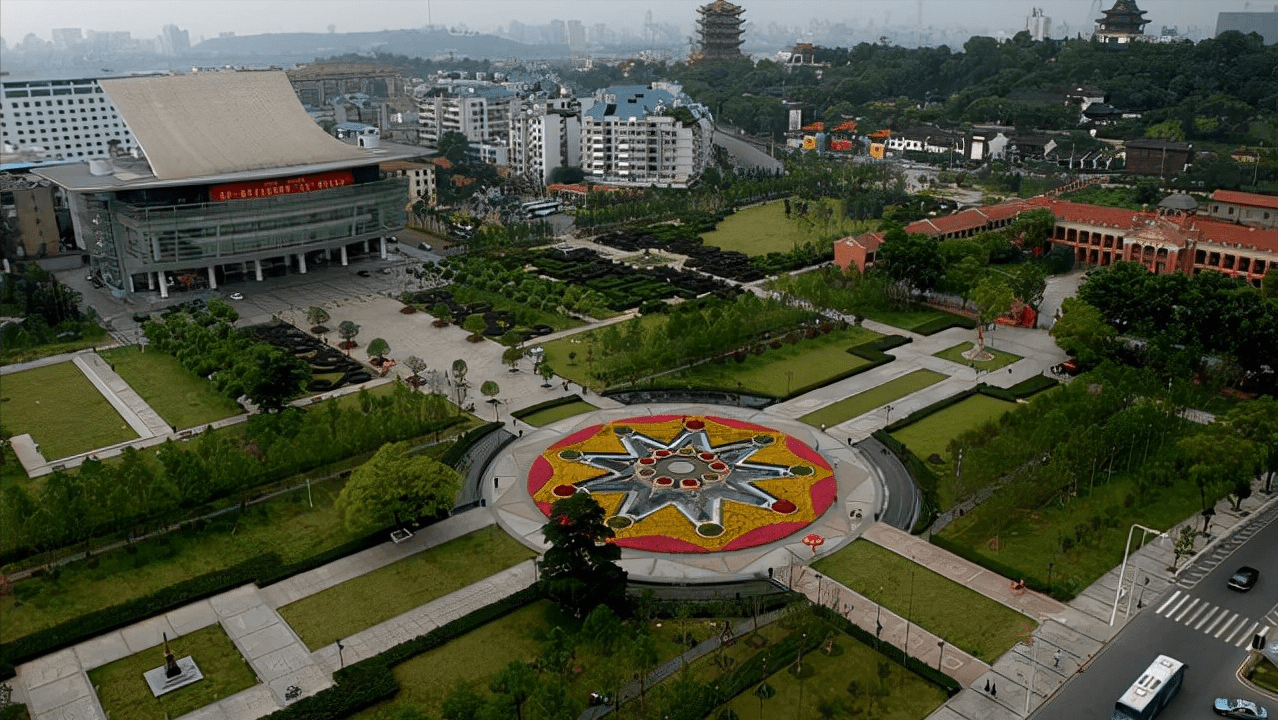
(1214, 620)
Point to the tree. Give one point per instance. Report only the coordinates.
(914, 260)
(518, 681)
(378, 348)
(1269, 283)
(546, 373)
(416, 365)
(317, 316)
(1028, 282)
(511, 356)
(459, 381)
(394, 482)
(993, 298)
(454, 146)
(1257, 421)
(475, 325)
(580, 569)
(347, 330)
(566, 175)
(1082, 332)
(274, 377)
(490, 389)
(1184, 546)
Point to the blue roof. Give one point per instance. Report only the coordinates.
(625, 101)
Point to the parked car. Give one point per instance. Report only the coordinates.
(425, 246)
(1241, 709)
(237, 296)
(362, 273)
(1244, 579)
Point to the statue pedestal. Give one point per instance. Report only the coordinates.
(161, 684)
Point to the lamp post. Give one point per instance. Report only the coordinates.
(878, 620)
(341, 661)
(941, 657)
(888, 420)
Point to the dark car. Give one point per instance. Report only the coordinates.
(1244, 578)
(362, 273)
(1241, 709)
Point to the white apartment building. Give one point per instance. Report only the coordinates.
(478, 110)
(60, 119)
(544, 135)
(640, 135)
(421, 179)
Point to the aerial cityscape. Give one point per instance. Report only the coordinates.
(693, 359)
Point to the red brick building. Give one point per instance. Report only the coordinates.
(1166, 241)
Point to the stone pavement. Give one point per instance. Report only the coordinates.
(140, 416)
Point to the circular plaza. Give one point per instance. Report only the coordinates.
(694, 494)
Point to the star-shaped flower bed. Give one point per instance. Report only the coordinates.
(689, 483)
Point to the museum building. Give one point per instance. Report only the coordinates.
(230, 176)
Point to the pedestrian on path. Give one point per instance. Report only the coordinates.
(1056, 659)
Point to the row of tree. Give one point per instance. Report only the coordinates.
(146, 490)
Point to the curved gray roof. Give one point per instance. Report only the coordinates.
(1178, 201)
(222, 122)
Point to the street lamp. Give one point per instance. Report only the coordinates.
(341, 661)
(889, 409)
(941, 657)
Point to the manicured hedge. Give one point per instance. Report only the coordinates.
(370, 681)
(936, 325)
(914, 665)
(16, 711)
(1022, 389)
(556, 402)
(454, 454)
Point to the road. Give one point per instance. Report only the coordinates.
(902, 501)
(1206, 626)
(746, 155)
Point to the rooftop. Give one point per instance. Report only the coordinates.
(1245, 198)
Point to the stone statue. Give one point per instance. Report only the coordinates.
(171, 669)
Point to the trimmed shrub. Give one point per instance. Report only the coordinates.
(936, 325)
(532, 409)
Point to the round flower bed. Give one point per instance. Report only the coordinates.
(671, 483)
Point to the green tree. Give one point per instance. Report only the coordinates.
(347, 330)
(566, 175)
(1082, 332)
(1184, 546)
(416, 365)
(378, 348)
(393, 482)
(993, 298)
(1028, 282)
(546, 373)
(454, 147)
(1257, 421)
(1269, 283)
(475, 325)
(490, 389)
(274, 377)
(580, 569)
(914, 260)
(317, 316)
(459, 381)
(511, 356)
(518, 681)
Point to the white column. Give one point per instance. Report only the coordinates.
(343, 256)
(382, 241)
(164, 284)
(131, 288)
(301, 263)
(257, 269)
(212, 279)
(367, 248)
(150, 284)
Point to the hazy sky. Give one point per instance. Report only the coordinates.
(207, 18)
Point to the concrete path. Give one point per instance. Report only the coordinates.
(139, 414)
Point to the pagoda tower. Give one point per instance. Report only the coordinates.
(1122, 23)
(720, 30)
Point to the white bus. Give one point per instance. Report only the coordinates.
(541, 208)
(1152, 690)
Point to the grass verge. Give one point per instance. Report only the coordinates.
(125, 695)
(965, 618)
(865, 401)
(557, 413)
(779, 371)
(955, 355)
(344, 609)
(931, 435)
(764, 228)
(182, 398)
(61, 410)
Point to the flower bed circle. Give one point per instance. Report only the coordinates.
(674, 483)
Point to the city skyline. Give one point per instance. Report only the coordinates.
(145, 18)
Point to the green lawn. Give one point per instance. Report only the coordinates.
(863, 402)
(762, 229)
(414, 581)
(965, 618)
(779, 372)
(61, 410)
(1266, 675)
(828, 680)
(1027, 541)
(527, 316)
(955, 355)
(286, 525)
(904, 319)
(931, 434)
(94, 338)
(182, 398)
(557, 413)
(125, 695)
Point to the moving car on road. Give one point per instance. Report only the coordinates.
(1241, 709)
(1244, 578)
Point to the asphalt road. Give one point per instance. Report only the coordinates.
(901, 506)
(1207, 626)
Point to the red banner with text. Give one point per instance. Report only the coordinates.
(281, 186)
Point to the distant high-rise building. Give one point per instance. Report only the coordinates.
(576, 36)
(66, 38)
(174, 40)
(1038, 25)
(1122, 23)
(1263, 23)
(720, 30)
